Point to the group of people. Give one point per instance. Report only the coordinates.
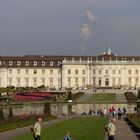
(36, 131)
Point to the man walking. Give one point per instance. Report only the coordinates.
(37, 129)
(111, 129)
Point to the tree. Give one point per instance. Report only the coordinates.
(138, 96)
(10, 113)
(1, 114)
(69, 94)
(138, 102)
(47, 108)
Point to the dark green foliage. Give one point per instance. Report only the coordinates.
(130, 96)
(10, 113)
(138, 94)
(69, 95)
(1, 114)
(47, 108)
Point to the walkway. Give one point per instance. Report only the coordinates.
(10, 135)
(125, 131)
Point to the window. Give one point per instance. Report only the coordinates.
(43, 71)
(76, 71)
(18, 63)
(18, 82)
(59, 63)
(136, 81)
(27, 82)
(26, 63)
(51, 71)
(119, 72)
(76, 82)
(100, 72)
(43, 63)
(59, 71)
(26, 71)
(69, 81)
(69, 71)
(136, 71)
(51, 63)
(83, 81)
(93, 71)
(10, 81)
(10, 63)
(10, 71)
(83, 72)
(18, 71)
(106, 71)
(113, 71)
(51, 81)
(129, 71)
(35, 63)
(35, 71)
(43, 80)
(113, 81)
(119, 81)
(35, 81)
(59, 82)
(129, 81)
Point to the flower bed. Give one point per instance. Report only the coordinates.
(135, 120)
(22, 121)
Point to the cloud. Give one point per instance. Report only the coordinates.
(89, 17)
(86, 30)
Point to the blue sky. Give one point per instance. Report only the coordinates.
(53, 27)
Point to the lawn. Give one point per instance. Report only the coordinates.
(103, 97)
(84, 128)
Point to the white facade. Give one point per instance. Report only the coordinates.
(107, 70)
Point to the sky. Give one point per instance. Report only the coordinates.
(69, 27)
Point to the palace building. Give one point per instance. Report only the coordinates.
(106, 70)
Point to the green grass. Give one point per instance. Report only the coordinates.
(103, 97)
(84, 128)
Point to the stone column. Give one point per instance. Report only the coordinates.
(4, 78)
(63, 76)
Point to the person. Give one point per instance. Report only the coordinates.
(67, 136)
(119, 113)
(111, 129)
(37, 129)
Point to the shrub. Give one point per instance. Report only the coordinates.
(47, 108)
(130, 96)
(10, 113)
(1, 114)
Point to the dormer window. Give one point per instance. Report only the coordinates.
(43, 63)
(51, 63)
(27, 63)
(59, 63)
(35, 63)
(18, 63)
(10, 63)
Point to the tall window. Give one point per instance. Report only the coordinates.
(113, 71)
(129, 71)
(18, 82)
(93, 71)
(18, 71)
(35, 71)
(69, 81)
(129, 81)
(26, 71)
(27, 82)
(69, 71)
(59, 82)
(76, 71)
(136, 71)
(35, 81)
(43, 81)
(10, 71)
(83, 72)
(51, 71)
(113, 81)
(51, 81)
(83, 81)
(76, 82)
(119, 72)
(106, 71)
(136, 81)
(10, 81)
(100, 71)
(43, 71)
